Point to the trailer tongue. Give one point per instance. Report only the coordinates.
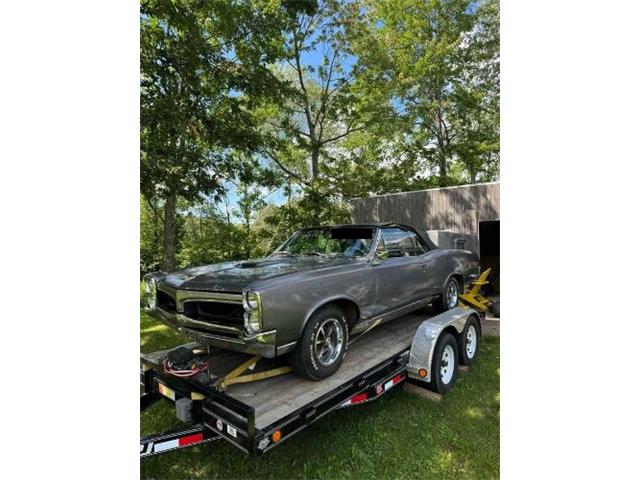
(256, 416)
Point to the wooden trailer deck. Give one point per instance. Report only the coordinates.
(277, 397)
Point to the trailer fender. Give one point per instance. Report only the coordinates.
(426, 337)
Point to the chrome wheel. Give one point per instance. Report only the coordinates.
(328, 342)
(472, 341)
(452, 294)
(447, 364)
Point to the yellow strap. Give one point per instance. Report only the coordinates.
(248, 364)
(370, 328)
(255, 376)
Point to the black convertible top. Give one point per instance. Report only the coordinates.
(423, 237)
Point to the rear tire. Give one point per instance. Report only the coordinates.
(449, 297)
(444, 367)
(469, 341)
(322, 345)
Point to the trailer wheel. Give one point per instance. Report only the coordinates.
(322, 344)
(469, 341)
(449, 297)
(444, 368)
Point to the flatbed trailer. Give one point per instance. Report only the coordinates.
(256, 416)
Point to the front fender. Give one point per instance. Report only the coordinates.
(288, 308)
(324, 302)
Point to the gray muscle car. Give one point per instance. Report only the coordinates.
(321, 287)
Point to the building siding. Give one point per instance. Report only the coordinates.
(458, 209)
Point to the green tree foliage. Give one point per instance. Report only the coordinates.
(274, 224)
(209, 237)
(433, 64)
(324, 100)
(151, 228)
(203, 71)
(321, 111)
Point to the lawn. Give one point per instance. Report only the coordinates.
(397, 436)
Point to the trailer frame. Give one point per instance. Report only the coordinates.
(215, 415)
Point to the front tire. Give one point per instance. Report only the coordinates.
(444, 368)
(322, 345)
(449, 297)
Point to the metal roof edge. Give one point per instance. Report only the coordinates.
(427, 190)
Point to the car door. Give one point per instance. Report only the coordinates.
(437, 266)
(399, 271)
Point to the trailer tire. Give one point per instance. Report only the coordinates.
(444, 367)
(449, 297)
(469, 341)
(311, 359)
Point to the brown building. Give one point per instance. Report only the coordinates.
(466, 216)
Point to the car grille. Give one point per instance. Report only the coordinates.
(215, 312)
(166, 302)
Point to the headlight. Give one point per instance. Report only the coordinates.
(252, 312)
(252, 301)
(150, 291)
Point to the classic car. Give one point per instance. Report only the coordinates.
(307, 299)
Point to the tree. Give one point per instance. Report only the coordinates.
(321, 111)
(203, 72)
(478, 115)
(151, 227)
(425, 61)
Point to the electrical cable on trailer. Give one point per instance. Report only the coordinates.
(182, 362)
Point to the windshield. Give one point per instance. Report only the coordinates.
(343, 241)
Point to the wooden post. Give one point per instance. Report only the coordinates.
(422, 392)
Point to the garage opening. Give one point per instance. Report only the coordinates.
(489, 233)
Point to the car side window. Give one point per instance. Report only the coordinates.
(402, 243)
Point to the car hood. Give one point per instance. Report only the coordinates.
(236, 276)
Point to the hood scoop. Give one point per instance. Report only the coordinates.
(247, 265)
(258, 264)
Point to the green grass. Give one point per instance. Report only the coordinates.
(396, 436)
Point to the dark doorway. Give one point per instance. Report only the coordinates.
(489, 233)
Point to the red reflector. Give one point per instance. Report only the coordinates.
(196, 437)
(396, 379)
(361, 397)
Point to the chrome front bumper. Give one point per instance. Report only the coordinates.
(230, 338)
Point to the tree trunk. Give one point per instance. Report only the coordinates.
(169, 255)
(442, 176)
(315, 160)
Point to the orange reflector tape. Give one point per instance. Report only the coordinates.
(166, 391)
(276, 436)
(422, 372)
